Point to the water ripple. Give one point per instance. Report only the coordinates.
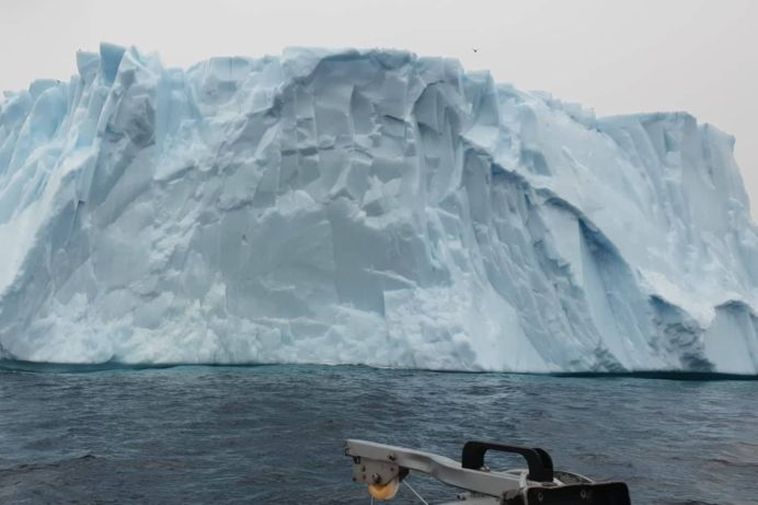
(273, 434)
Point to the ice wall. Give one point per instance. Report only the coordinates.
(364, 207)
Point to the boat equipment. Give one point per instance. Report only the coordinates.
(384, 468)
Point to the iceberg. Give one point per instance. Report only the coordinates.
(364, 207)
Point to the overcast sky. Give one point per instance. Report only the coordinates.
(615, 56)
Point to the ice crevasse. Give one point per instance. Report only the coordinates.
(369, 207)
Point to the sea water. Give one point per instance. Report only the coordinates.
(274, 434)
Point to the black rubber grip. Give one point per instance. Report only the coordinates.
(539, 461)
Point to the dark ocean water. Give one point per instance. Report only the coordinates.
(274, 434)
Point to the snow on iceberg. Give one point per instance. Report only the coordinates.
(364, 207)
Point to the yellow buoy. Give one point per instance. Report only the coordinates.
(384, 492)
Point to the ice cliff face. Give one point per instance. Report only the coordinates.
(364, 207)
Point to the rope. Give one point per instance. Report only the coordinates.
(421, 499)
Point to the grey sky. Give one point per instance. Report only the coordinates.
(615, 56)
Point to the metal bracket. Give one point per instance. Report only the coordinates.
(371, 471)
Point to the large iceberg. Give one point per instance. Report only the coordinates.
(366, 207)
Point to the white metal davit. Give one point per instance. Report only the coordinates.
(384, 467)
